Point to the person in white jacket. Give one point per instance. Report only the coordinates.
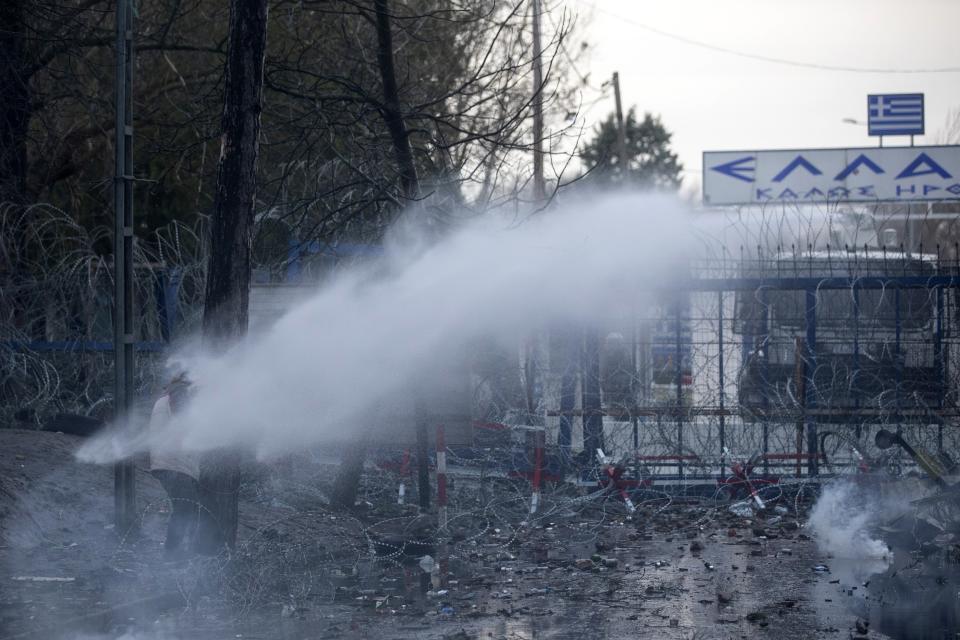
(178, 471)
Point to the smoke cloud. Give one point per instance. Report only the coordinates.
(845, 516)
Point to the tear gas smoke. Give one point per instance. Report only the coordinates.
(373, 332)
(844, 517)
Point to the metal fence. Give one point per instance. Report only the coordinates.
(799, 358)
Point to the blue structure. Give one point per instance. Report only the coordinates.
(328, 255)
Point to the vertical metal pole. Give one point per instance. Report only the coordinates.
(123, 339)
(539, 439)
(442, 476)
(766, 447)
(679, 365)
(643, 363)
(948, 302)
(765, 340)
(941, 383)
(568, 391)
(634, 418)
(659, 420)
(530, 377)
(898, 369)
(723, 417)
(800, 380)
(813, 463)
(539, 187)
(423, 447)
(856, 351)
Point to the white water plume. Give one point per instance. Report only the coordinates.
(375, 331)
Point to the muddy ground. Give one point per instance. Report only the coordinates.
(581, 569)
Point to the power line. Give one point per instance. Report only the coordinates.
(764, 58)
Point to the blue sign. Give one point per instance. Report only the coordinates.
(897, 114)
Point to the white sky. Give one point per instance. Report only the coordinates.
(712, 100)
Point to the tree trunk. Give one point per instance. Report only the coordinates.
(14, 102)
(344, 494)
(392, 114)
(410, 182)
(352, 463)
(228, 267)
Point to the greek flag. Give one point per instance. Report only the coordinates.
(895, 114)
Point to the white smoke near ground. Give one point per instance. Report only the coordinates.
(847, 515)
(375, 332)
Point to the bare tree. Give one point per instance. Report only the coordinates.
(344, 149)
(15, 101)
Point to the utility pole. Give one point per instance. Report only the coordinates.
(124, 482)
(539, 187)
(622, 159)
(539, 191)
(641, 334)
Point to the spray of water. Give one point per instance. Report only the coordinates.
(372, 333)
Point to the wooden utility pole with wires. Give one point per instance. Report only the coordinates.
(622, 159)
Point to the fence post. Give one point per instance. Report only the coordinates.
(679, 381)
(723, 418)
(404, 472)
(799, 378)
(810, 395)
(765, 351)
(539, 436)
(442, 476)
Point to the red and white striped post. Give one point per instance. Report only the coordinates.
(442, 475)
(539, 438)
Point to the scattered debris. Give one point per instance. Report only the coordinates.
(428, 564)
(372, 581)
